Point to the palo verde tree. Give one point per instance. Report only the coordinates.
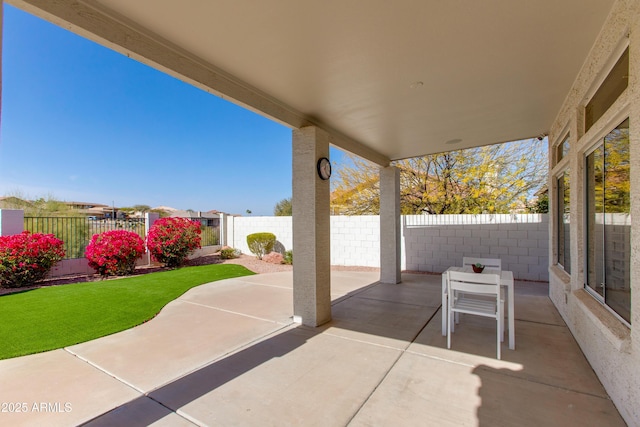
(283, 208)
(492, 179)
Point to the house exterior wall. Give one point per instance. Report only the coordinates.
(610, 345)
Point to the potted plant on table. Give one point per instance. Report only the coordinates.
(477, 267)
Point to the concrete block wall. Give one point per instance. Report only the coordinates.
(355, 240)
(523, 247)
(242, 226)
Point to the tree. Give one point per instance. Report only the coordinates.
(283, 208)
(491, 179)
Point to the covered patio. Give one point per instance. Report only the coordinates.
(228, 353)
(392, 80)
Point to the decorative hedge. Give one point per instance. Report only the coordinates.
(27, 258)
(261, 244)
(114, 252)
(171, 240)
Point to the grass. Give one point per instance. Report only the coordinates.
(58, 316)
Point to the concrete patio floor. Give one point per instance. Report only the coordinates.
(227, 353)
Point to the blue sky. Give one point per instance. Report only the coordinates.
(83, 123)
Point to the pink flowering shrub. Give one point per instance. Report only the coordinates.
(26, 258)
(171, 240)
(114, 252)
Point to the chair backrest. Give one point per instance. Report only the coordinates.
(485, 284)
(489, 263)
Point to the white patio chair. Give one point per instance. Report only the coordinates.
(476, 294)
(489, 263)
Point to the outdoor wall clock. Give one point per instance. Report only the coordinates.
(324, 168)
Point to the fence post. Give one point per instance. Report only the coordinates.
(149, 219)
(11, 221)
(223, 229)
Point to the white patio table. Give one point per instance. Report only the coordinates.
(506, 280)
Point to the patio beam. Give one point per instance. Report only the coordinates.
(311, 229)
(101, 25)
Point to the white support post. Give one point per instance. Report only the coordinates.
(311, 229)
(390, 237)
(149, 219)
(223, 229)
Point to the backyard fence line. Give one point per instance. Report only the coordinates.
(469, 219)
(76, 232)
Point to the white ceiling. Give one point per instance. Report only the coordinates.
(492, 70)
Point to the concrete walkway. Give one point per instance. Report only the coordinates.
(227, 353)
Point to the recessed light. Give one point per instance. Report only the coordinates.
(416, 85)
(454, 141)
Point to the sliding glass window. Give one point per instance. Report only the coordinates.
(608, 221)
(564, 226)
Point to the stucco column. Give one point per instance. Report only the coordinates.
(311, 229)
(390, 225)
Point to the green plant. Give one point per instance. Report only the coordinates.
(58, 316)
(114, 252)
(229, 253)
(261, 244)
(288, 257)
(27, 257)
(171, 240)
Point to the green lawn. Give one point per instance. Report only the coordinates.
(58, 316)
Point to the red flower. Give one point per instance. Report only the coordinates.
(114, 252)
(171, 240)
(26, 258)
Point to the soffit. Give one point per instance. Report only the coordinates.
(492, 71)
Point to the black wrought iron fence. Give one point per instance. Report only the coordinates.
(210, 231)
(76, 232)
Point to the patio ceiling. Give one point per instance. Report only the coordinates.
(491, 71)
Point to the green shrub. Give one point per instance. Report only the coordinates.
(261, 244)
(229, 253)
(288, 257)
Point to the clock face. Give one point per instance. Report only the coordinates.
(324, 168)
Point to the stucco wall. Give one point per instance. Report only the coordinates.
(612, 348)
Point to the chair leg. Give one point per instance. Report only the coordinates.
(449, 330)
(499, 328)
(498, 337)
(502, 322)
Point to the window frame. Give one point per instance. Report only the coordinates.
(557, 171)
(594, 143)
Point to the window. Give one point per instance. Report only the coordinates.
(564, 235)
(562, 150)
(608, 221)
(611, 88)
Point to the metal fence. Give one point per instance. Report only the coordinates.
(210, 231)
(76, 232)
